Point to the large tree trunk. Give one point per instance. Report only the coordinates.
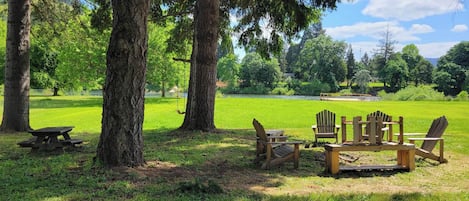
(201, 93)
(121, 140)
(16, 95)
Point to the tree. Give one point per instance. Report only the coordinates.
(163, 72)
(452, 84)
(44, 62)
(422, 73)
(456, 63)
(17, 75)
(313, 31)
(225, 47)
(228, 69)
(121, 140)
(351, 66)
(202, 82)
(285, 18)
(362, 78)
(396, 72)
(420, 70)
(322, 59)
(258, 75)
(61, 28)
(383, 54)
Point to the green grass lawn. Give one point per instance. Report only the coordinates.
(195, 166)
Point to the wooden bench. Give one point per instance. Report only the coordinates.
(405, 156)
(48, 138)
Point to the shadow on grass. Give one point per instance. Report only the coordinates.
(176, 161)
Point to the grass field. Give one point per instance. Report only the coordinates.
(198, 166)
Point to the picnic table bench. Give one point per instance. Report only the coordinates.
(48, 138)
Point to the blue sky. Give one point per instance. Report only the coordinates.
(434, 26)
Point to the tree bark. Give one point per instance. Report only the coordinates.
(202, 83)
(17, 75)
(121, 140)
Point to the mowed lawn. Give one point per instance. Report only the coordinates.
(176, 159)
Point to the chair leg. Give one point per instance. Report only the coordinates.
(296, 156)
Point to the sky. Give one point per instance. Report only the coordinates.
(434, 26)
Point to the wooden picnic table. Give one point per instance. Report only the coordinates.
(48, 138)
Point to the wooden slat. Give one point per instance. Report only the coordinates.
(368, 147)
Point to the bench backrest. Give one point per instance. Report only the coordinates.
(260, 131)
(436, 130)
(384, 117)
(325, 121)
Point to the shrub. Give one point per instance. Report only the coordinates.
(413, 93)
(282, 91)
(462, 96)
(256, 89)
(313, 88)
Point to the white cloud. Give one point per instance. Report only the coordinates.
(421, 28)
(435, 50)
(427, 50)
(459, 28)
(377, 30)
(406, 10)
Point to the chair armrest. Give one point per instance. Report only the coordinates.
(390, 122)
(410, 134)
(427, 138)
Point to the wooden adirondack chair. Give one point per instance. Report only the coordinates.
(384, 118)
(274, 149)
(325, 126)
(431, 138)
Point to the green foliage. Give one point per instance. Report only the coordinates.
(228, 69)
(286, 18)
(362, 78)
(456, 64)
(322, 59)
(294, 50)
(351, 65)
(282, 90)
(396, 73)
(44, 62)
(258, 73)
(420, 70)
(313, 88)
(101, 17)
(163, 73)
(462, 96)
(450, 78)
(3, 36)
(412, 93)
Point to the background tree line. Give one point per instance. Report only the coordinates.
(318, 63)
(68, 54)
